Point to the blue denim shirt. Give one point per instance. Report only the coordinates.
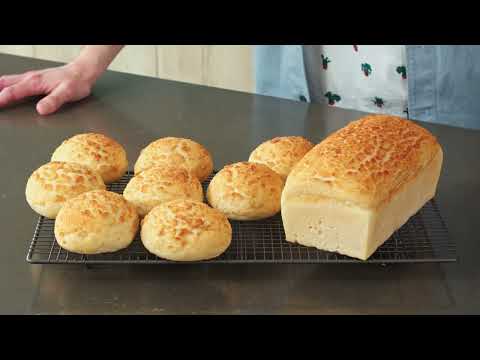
(443, 80)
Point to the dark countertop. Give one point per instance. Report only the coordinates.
(136, 110)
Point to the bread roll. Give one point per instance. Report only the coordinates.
(52, 184)
(363, 182)
(186, 230)
(98, 152)
(96, 222)
(157, 185)
(178, 152)
(246, 191)
(281, 153)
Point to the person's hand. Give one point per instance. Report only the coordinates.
(61, 85)
(68, 83)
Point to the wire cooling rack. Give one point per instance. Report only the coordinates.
(424, 238)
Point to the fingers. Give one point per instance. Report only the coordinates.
(60, 85)
(59, 96)
(29, 86)
(9, 80)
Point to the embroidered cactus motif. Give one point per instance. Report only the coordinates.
(332, 98)
(378, 101)
(325, 61)
(367, 69)
(403, 71)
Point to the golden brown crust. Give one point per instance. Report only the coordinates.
(281, 153)
(246, 191)
(97, 151)
(52, 184)
(157, 185)
(365, 162)
(95, 222)
(186, 230)
(178, 152)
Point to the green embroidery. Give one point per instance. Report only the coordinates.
(367, 69)
(332, 98)
(378, 101)
(403, 71)
(325, 61)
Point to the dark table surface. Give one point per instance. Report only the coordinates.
(136, 110)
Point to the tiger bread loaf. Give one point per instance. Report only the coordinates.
(281, 154)
(177, 152)
(96, 222)
(186, 230)
(353, 190)
(52, 184)
(160, 184)
(246, 191)
(97, 151)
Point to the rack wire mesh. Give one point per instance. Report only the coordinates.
(424, 238)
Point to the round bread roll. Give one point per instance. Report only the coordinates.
(246, 191)
(281, 153)
(157, 185)
(96, 222)
(186, 230)
(97, 151)
(52, 184)
(178, 152)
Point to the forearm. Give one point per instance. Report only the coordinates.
(93, 60)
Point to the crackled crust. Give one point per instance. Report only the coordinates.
(96, 151)
(246, 191)
(281, 154)
(52, 184)
(186, 230)
(157, 185)
(366, 162)
(179, 152)
(96, 222)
